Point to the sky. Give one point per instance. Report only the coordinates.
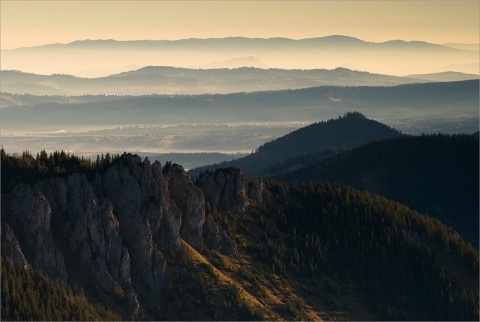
(33, 23)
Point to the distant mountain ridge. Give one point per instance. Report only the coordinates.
(413, 100)
(172, 80)
(242, 41)
(444, 76)
(396, 57)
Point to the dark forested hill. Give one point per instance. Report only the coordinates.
(322, 138)
(434, 174)
(148, 243)
(353, 129)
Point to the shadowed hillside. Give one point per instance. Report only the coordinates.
(434, 174)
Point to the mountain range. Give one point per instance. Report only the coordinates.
(394, 57)
(170, 80)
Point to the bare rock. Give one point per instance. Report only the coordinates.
(139, 203)
(55, 190)
(255, 190)
(34, 211)
(218, 240)
(169, 233)
(190, 200)
(227, 245)
(11, 248)
(225, 189)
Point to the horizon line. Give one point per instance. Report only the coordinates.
(236, 37)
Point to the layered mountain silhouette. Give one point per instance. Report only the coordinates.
(170, 80)
(395, 57)
(413, 100)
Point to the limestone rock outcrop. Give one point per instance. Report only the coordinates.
(218, 240)
(11, 248)
(118, 224)
(139, 202)
(256, 190)
(191, 202)
(225, 189)
(90, 228)
(34, 212)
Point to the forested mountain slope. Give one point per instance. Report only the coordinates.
(149, 243)
(434, 174)
(29, 295)
(323, 138)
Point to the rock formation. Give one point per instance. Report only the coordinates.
(218, 240)
(191, 202)
(138, 201)
(118, 224)
(225, 189)
(11, 248)
(34, 212)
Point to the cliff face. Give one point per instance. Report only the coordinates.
(225, 189)
(191, 202)
(33, 211)
(229, 189)
(119, 224)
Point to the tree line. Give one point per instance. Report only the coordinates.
(29, 295)
(27, 168)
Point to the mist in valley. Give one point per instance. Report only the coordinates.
(223, 98)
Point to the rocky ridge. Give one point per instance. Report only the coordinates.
(120, 224)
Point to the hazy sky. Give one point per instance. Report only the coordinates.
(31, 23)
